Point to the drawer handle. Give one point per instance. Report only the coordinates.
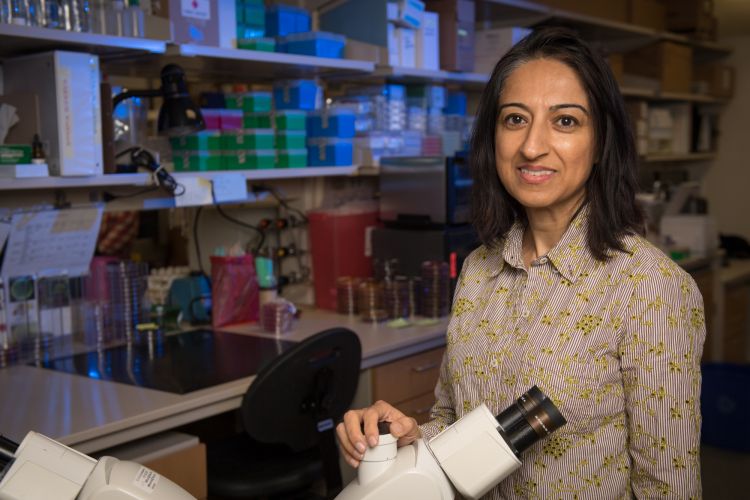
(422, 411)
(424, 368)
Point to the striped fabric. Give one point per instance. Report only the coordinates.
(615, 345)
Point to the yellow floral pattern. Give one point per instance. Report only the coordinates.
(615, 345)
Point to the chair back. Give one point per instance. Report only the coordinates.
(304, 391)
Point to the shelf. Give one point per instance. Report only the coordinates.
(613, 36)
(402, 74)
(18, 40)
(218, 64)
(637, 92)
(687, 157)
(143, 179)
(680, 96)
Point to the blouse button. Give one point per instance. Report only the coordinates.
(525, 313)
(543, 260)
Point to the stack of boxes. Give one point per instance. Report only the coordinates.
(251, 26)
(413, 38)
(331, 137)
(293, 99)
(291, 28)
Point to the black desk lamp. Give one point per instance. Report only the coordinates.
(177, 115)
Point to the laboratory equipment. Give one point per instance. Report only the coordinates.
(41, 468)
(471, 456)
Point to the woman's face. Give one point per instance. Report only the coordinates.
(544, 138)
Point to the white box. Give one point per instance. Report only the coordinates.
(410, 12)
(394, 58)
(407, 50)
(227, 25)
(696, 232)
(490, 45)
(428, 42)
(67, 87)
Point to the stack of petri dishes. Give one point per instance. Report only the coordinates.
(397, 302)
(435, 287)
(277, 316)
(346, 295)
(372, 301)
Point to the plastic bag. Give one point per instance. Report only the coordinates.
(234, 290)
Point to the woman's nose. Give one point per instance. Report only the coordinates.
(536, 143)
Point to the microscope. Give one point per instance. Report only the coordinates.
(471, 456)
(41, 468)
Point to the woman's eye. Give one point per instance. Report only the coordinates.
(567, 121)
(514, 120)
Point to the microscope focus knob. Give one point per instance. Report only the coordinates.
(379, 457)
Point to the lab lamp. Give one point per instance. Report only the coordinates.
(178, 115)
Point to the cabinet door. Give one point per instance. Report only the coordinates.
(407, 378)
(736, 323)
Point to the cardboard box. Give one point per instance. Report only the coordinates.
(194, 22)
(718, 77)
(456, 10)
(491, 44)
(688, 15)
(614, 10)
(456, 45)
(428, 42)
(671, 64)
(648, 13)
(67, 88)
(617, 65)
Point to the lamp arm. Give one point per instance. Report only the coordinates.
(134, 93)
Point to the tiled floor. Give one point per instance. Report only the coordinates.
(726, 474)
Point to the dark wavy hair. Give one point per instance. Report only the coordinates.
(612, 184)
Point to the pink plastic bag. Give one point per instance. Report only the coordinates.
(234, 290)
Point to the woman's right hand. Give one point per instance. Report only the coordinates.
(354, 442)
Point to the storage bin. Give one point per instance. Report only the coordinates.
(198, 161)
(329, 152)
(296, 94)
(290, 119)
(282, 20)
(253, 15)
(250, 159)
(456, 104)
(212, 118)
(335, 122)
(315, 43)
(291, 158)
(725, 405)
(231, 119)
(291, 139)
(248, 32)
(248, 139)
(262, 44)
(256, 120)
(256, 102)
(209, 140)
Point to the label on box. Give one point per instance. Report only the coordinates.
(230, 187)
(197, 192)
(197, 9)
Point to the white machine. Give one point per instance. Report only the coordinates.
(472, 455)
(43, 469)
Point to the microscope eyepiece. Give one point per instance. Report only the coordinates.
(532, 417)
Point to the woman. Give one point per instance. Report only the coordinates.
(564, 293)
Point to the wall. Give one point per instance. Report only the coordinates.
(726, 184)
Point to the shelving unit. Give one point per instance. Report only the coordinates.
(216, 63)
(139, 56)
(17, 40)
(144, 179)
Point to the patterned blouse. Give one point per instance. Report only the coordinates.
(615, 345)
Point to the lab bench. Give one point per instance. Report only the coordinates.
(92, 415)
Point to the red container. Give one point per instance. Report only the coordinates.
(234, 290)
(337, 247)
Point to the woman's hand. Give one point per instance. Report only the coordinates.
(354, 443)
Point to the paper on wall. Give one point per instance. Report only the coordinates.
(52, 242)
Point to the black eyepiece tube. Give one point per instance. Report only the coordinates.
(532, 417)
